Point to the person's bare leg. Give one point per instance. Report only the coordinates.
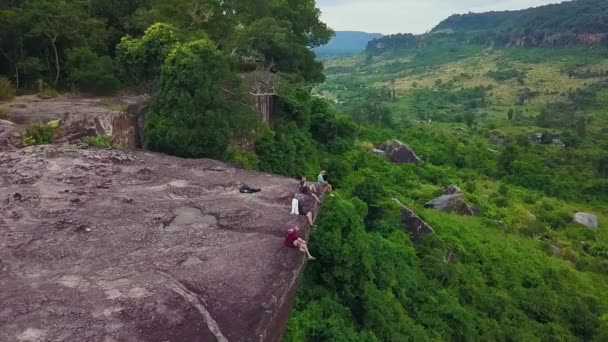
(304, 249)
(316, 198)
(310, 220)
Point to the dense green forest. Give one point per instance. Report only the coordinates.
(46, 41)
(580, 16)
(522, 131)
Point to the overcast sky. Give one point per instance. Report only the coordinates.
(407, 16)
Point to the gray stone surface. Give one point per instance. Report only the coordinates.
(588, 220)
(104, 245)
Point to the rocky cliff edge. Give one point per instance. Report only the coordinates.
(105, 245)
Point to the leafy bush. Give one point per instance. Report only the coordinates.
(102, 141)
(40, 134)
(90, 72)
(141, 59)
(192, 115)
(288, 151)
(599, 249)
(246, 160)
(7, 91)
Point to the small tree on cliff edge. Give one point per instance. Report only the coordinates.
(192, 115)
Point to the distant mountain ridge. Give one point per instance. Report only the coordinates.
(578, 17)
(346, 43)
(571, 22)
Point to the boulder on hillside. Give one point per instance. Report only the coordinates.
(588, 220)
(400, 153)
(452, 201)
(452, 190)
(117, 245)
(414, 225)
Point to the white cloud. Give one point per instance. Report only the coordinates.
(407, 16)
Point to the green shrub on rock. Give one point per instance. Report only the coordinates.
(40, 134)
(102, 141)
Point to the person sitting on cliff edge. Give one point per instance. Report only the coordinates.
(298, 209)
(309, 190)
(292, 240)
(321, 181)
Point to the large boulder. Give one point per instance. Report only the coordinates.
(400, 153)
(414, 225)
(106, 245)
(588, 220)
(452, 201)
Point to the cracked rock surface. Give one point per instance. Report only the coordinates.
(105, 245)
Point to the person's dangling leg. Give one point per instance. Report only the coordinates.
(310, 220)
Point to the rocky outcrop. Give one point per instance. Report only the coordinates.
(9, 135)
(399, 153)
(452, 190)
(118, 117)
(588, 220)
(105, 245)
(452, 201)
(414, 225)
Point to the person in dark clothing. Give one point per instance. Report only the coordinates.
(298, 209)
(246, 189)
(292, 240)
(309, 190)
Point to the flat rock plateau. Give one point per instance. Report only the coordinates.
(108, 245)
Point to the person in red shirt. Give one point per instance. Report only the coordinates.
(292, 240)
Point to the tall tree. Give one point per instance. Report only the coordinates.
(59, 24)
(192, 114)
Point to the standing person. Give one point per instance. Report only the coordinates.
(298, 209)
(321, 180)
(309, 190)
(292, 240)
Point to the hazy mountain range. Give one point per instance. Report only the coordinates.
(346, 43)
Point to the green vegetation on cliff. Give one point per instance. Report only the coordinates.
(523, 132)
